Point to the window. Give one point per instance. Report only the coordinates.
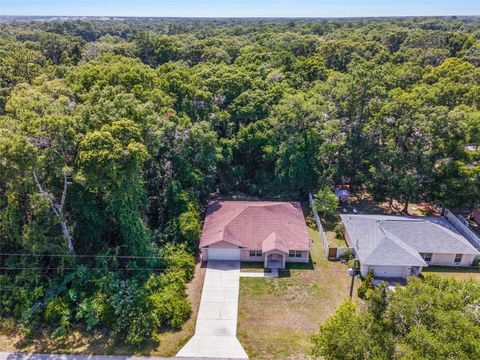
(458, 258)
(426, 256)
(255, 253)
(294, 253)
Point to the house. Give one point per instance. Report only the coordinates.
(398, 247)
(271, 232)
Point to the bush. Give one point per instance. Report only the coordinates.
(189, 226)
(166, 292)
(170, 306)
(134, 319)
(476, 262)
(339, 231)
(177, 257)
(7, 327)
(351, 264)
(57, 312)
(366, 285)
(347, 255)
(96, 310)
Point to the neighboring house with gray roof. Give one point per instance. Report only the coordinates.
(400, 246)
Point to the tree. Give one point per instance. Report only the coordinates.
(111, 160)
(347, 336)
(113, 135)
(299, 123)
(429, 318)
(326, 202)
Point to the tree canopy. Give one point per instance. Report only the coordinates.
(114, 133)
(430, 318)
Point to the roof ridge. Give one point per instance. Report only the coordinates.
(278, 220)
(459, 237)
(225, 228)
(401, 243)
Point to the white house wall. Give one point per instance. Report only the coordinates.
(448, 260)
(303, 259)
(245, 256)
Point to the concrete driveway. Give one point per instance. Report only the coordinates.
(216, 328)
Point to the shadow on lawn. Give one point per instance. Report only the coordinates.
(296, 266)
(445, 269)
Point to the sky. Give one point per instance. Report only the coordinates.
(240, 8)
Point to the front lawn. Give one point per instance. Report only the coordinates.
(458, 273)
(277, 316)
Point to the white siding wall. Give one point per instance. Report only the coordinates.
(246, 257)
(448, 260)
(303, 259)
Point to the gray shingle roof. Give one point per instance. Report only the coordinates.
(398, 240)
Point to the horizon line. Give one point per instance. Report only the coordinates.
(245, 17)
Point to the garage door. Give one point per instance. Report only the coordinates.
(223, 254)
(389, 271)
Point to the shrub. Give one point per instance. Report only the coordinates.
(134, 319)
(57, 312)
(367, 284)
(7, 326)
(170, 306)
(347, 255)
(351, 264)
(476, 262)
(176, 257)
(189, 226)
(96, 310)
(339, 231)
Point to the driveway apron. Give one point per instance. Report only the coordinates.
(216, 328)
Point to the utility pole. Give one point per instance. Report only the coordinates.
(352, 273)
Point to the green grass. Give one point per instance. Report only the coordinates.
(277, 316)
(256, 266)
(459, 273)
(334, 241)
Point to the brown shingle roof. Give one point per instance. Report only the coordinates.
(248, 223)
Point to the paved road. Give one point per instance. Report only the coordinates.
(23, 356)
(216, 328)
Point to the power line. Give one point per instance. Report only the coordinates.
(77, 268)
(84, 256)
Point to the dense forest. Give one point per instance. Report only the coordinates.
(113, 134)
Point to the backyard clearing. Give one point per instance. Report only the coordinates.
(277, 316)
